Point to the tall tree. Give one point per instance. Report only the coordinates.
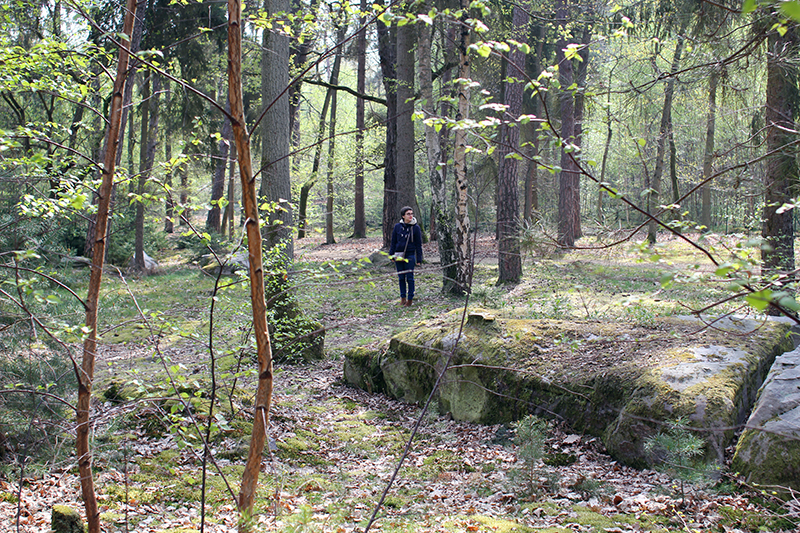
(213, 222)
(569, 204)
(442, 218)
(85, 373)
(405, 173)
(708, 154)
(312, 179)
(664, 132)
(509, 258)
(263, 398)
(149, 137)
(299, 49)
(330, 196)
(532, 106)
(781, 176)
(462, 224)
(276, 185)
(387, 52)
(127, 98)
(359, 216)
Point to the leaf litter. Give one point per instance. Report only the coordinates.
(455, 478)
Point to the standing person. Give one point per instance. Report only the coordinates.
(406, 252)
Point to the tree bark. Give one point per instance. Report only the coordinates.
(532, 104)
(312, 180)
(169, 207)
(606, 148)
(708, 156)
(387, 52)
(213, 222)
(228, 218)
(359, 215)
(85, 373)
(509, 258)
(148, 154)
(442, 217)
(127, 98)
(276, 185)
(462, 240)
(782, 170)
(653, 197)
(263, 397)
(298, 56)
(569, 177)
(329, 197)
(406, 173)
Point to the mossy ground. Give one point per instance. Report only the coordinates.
(334, 448)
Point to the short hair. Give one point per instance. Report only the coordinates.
(404, 209)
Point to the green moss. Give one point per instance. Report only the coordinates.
(600, 522)
(747, 520)
(498, 525)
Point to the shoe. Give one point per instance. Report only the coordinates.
(408, 303)
(403, 301)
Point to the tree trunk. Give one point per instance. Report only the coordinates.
(213, 222)
(387, 52)
(569, 177)
(148, 155)
(532, 105)
(85, 374)
(329, 197)
(127, 98)
(186, 210)
(228, 218)
(263, 397)
(509, 258)
(708, 156)
(276, 185)
(359, 215)
(462, 239)
(782, 171)
(169, 207)
(653, 198)
(609, 134)
(405, 173)
(442, 219)
(580, 107)
(306, 187)
(298, 56)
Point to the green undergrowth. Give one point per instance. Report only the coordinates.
(331, 454)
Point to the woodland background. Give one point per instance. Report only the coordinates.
(553, 126)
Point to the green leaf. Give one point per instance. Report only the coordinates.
(759, 300)
(724, 269)
(791, 10)
(749, 6)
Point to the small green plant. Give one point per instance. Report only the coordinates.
(531, 476)
(676, 451)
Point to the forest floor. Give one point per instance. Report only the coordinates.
(334, 449)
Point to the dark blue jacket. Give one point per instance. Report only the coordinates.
(407, 233)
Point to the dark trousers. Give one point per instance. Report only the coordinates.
(405, 275)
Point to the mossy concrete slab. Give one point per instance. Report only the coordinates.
(768, 451)
(614, 380)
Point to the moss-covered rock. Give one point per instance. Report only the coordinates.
(362, 369)
(617, 381)
(64, 519)
(768, 451)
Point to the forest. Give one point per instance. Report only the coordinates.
(197, 200)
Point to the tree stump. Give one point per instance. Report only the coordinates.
(66, 520)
